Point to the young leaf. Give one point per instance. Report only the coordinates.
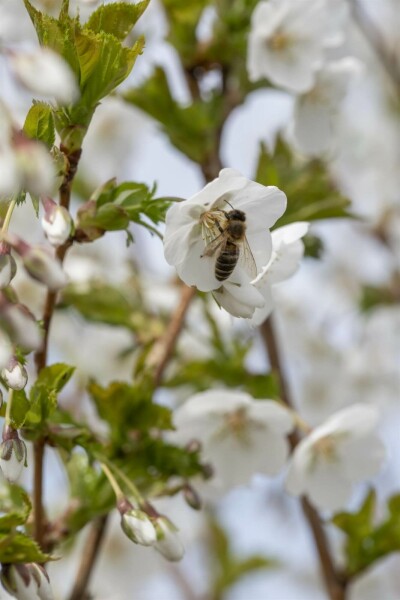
(44, 392)
(117, 18)
(16, 547)
(19, 408)
(310, 192)
(15, 507)
(39, 124)
(367, 542)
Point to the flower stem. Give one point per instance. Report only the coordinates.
(113, 482)
(335, 583)
(132, 487)
(10, 210)
(8, 407)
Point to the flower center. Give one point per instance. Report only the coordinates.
(325, 447)
(279, 41)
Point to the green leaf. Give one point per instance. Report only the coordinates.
(98, 59)
(16, 547)
(366, 541)
(310, 192)
(117, 18)
(39, 124)
(19, 408)
(128, 408)
(15, 507)
(44, 392)
(191, 129)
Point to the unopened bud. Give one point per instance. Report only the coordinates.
(6, 349)
(57, 222)
(40, 265)
(8, 266)
(45, 72)
(192, 498)
(15, 374)
(168, 542)
(136, 524)
(12, 454)
(20, 324)
(26, 581)
(35, 166)
(193, 446)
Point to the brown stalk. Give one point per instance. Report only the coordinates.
(335, 583)
(41, 355)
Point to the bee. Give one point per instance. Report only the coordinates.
(225, 232)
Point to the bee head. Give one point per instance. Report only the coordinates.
(236, 215)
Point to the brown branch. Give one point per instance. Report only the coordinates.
(388, 59)
(89, 555)
(165, 346)
(41, 354)
(335, 583)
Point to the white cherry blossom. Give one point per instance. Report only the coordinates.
(340, 452)
(287, 252)
(316, 111)
(288, 40)
(44, 72)
(26, 581)
(185, 244)
(240, 436)
(168, 542)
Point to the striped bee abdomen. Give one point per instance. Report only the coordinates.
(226, 261)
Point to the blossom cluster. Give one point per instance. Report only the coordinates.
(289, 44)
(242, 436)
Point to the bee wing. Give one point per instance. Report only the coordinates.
(214, 244)
(246, 259)
(213, 234)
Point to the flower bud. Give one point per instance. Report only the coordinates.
(35, 166)
(6, 349)
(8, 266)
(168, 542)
(15, 374)
(44, 72)
(12, 454)
(136, 524)
(57, 222)
(20, 324)
(40, 264)
(27, 581)
(192, 498)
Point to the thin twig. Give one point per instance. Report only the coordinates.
(334, 582)
(166, 344)
(41, 355)
(89, 555)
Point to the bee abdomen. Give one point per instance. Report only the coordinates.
(226, 262)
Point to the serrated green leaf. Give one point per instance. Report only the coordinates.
(19, 408)
(16, 547)
(15, 506)
(39, 124)
(44, 392)
(117, 18)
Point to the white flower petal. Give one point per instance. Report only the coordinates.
(362, 458)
